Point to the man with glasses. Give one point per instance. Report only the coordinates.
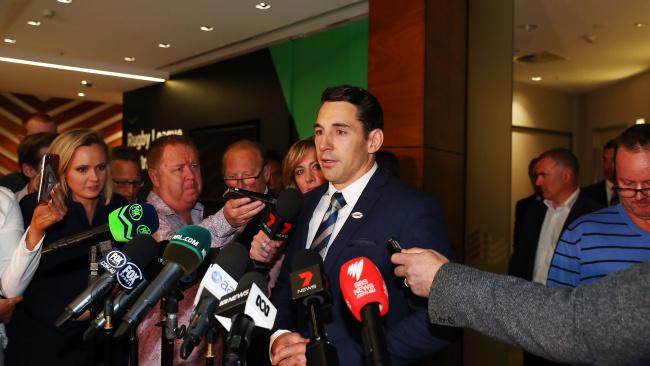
(125, 169)
(616, 237)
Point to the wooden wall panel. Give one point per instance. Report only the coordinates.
(68, 113)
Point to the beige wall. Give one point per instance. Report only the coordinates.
(536, 107)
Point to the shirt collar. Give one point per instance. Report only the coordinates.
(352, 192)
(567, 204)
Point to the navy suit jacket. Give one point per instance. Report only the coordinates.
(389, 208)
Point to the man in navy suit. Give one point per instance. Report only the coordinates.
(370, 207)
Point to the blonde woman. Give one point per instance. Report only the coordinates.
(83, 172)
(300, 167)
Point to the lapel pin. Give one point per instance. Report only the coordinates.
(357, 215)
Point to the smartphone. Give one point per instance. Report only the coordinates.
(49, 167)
(234, 193)
(393, 245)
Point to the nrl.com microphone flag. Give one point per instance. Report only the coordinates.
(132, 220)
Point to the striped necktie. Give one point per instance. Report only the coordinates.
(324, 232)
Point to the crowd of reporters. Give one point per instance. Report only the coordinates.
(259, 256)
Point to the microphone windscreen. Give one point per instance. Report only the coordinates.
(362, 284)
(254, 277)
(233, 258)
(132, 220)
(306, 258)
(142, 250)
(188, 247)
(289, 203)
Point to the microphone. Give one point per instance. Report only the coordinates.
(278, 221)
(126, 298)
(186, 250)
(124, 224)
(310, 287)
(121, 267)
(243, 310)
(220, 279)
(234, 193)
(365, 294)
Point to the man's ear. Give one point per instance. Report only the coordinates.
(153, 175)
(267, 173)
(28, 170)
(375, 140)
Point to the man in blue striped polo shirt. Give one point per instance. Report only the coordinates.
(616, 237)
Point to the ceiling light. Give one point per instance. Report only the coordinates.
(207, 28)
(64, 1)
(528, 27)
(536, 78)
(639, 24)
(129, 59)
(164, 45)
(640, 121)
(34, 23)
(263, 6)
(82, 69)
(81, 94)
(87, 83)
(10, 40)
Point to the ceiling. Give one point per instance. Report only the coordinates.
(598, 39)
(100, 34)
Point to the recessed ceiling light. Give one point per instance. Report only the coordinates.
(207, 28)
(64, 1)
(81, 94)
(640, 121)
(129, 59)
(639, 25)
(528, 27)
(536, 78)
(263, 6)
(164, 45)
(87, 83)
(10, 40)
(34, 23)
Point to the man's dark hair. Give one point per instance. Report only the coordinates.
(274, 155)
(28, 150)
(127, 153)
(564, 157)
(39, 116)
(635, 138)
(531, 169)
(611, 144)
(369, 110)
(154, 154)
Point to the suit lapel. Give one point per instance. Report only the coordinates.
(311, 201)
(364, 205)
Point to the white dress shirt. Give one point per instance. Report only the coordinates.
(609, 190)
(549, 235)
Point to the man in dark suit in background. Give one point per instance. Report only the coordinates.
(522, 204)
(370, 206)
(603, 191)
(556, 175)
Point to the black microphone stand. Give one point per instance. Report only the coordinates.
(133, 347)
(374, 339)
(108, 330)
(170, 326)
(92, 277)
(319, 351)
(210, 337)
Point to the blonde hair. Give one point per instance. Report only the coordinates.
(293, 157)
(67, 143)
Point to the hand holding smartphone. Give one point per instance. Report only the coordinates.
(49, 167)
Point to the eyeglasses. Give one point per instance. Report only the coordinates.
(244, 180)
(127, 183)
(631, 192)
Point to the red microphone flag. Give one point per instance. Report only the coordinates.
(362, 284)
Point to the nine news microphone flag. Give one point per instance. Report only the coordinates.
(186, 250)
(123, 267)
(365, 294)
(124, 224)
(219, 280)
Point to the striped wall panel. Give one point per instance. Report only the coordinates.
(68, 113)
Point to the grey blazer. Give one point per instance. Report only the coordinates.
(602, 323)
